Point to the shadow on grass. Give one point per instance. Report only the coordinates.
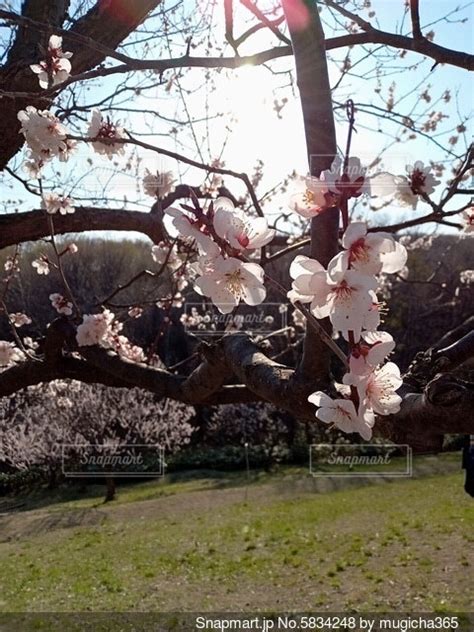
(80, 496)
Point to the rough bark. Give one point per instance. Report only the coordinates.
(318, 120)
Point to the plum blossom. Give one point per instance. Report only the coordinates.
(353, 181)
(57, 67)
(125, 349)
(94, 328)
(159, 184)
(30, 343)
(67, 150)
(241, 231)
(54, 203)
(9, 353)
(230, 281)
(45, 135)
(61, 304)
(370, 352)
(164, 253)
(420, 179)
(342, 295)
(406, 190)
(467, 277)
(19, 319)
(368, 253)
(42, 265)
(11, 265)
(72, 248)
(468, 220)
(105, 132)
(33, 166)
(313, 195)
(172, 300)
(342, 413)
(377, 389)
(194, 229)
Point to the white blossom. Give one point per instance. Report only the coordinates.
(193, 229)
(230, 282)
(159, 184)
(370, 352)
(342, 295)
(42, 265)
(368, 253)
(240, 230)
(342, 414)
(61, 304)
(468, 220)
(19, 319)
(94, 328)
(378, 388)
(54, 203)
(105, 132)
(45, 135)
(467, 277)
(9, 353)
(57, 67)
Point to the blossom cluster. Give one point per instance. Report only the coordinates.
(9, 354)
(222, 235)
(105, 330)
(313, 195)
(345, 293)
(56, 68)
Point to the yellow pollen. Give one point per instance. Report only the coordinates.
(308, 197)
(234, 282)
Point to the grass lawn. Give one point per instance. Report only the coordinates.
(216, 543)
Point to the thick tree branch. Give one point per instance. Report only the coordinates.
(443, 406)
(20, 227)
(318, 118)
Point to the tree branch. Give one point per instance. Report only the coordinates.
(31, 226)
(315, 94)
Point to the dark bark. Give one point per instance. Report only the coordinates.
(318, 119)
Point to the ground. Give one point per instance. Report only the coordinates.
(274, 542)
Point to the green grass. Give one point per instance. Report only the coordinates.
(213, 543)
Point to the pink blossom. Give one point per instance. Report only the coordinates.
(368, 253)
(158, 185)
(9, 353)
(342, 414)
(240, 230)
(377, 389)
(94, 328)
(231, 281)
(61, 304)
(105, 132)
(19, 319)
(57, 67)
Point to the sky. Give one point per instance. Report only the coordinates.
(252, 130)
